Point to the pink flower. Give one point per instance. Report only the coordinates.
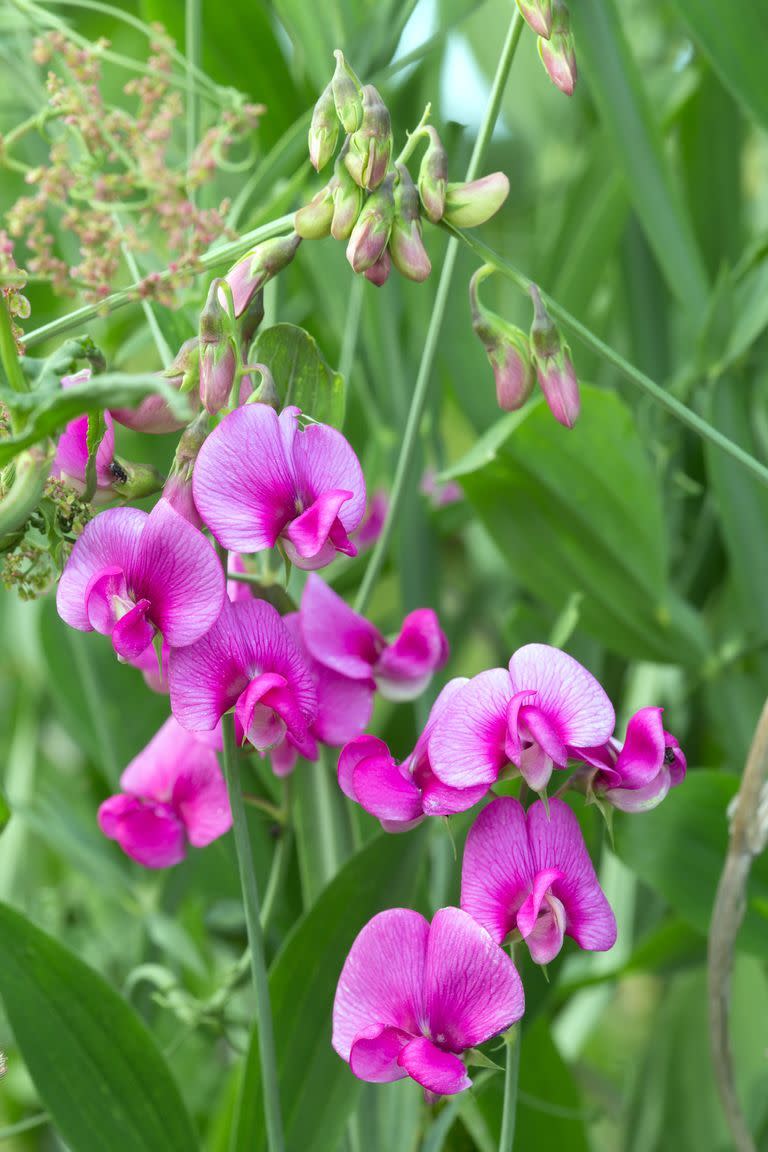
(636, 776)
(261, 478)
(370, 529)
(155, 674)
(340, 639)
(248, 660)
(173, 795)
(71, 458)
(131, 575)
(401, 795)
(413, 995)
(530, 872)
(440, 495)
(532, 716)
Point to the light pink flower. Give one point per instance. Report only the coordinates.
(636, 776)
(71, 458)
(530, 872)
(131, 575)
(412, 996)
(370, 529)
(247, 661)
(341, 639)
(173, 795)
(261, 478)
(401, 795)
(534, 716)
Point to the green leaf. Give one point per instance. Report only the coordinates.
(5, 812)
(317, 1089)
(94, 1063)
(550, 498)
(301, 373)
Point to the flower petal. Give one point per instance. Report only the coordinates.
(154, 771)
(108, 542)
(336, 636)
(384, 791)
(437, 1071)
(532, 905)
(496, 872)
(640, 799)
(71, 458)
(151, 834)
(324, 461)
(200, 797)
(566, 691)
(351, 755)
(133, 633)
(642, 755)
(373, 1056)
(466, 748)
(344, 706)
(307, 537)
(406, 666)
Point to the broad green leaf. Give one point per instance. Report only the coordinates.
(93, 1061)
(317, 1089)
(579, 511)
(301, 374)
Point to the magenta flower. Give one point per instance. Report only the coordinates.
(71, 458)
(346, 642)
(261, 478)
(155, 673)
(247, 661)
(370, 529)
(131, 575)
(530, 872)
(636, 776)
(412, 996)
(173, 795)
(534, 716)
(401, 795)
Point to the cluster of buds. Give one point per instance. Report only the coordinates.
(551, 21)
(518, 360)
(373, 202)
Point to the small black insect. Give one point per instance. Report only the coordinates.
(118, 472)
(669, 755)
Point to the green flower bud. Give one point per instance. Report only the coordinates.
(253, 270)
(507, 349)
(537, 15)
(323, 130)
(313, 221)
(553, 364)
(433, 177)
(558, 54)
(19, 501)
(371, 232)
(347, 201)
(467, 205)
(406, 247)
(370, 147)
(347, 94)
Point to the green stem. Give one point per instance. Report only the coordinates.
(421, 388)
(413, 137)
(255, 940)
(281, 858)
(511, 1076)
(662, 397)
(24, 1126)
(9, 357)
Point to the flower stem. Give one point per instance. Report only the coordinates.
(421, 388)
(255, 940)
(8, 355)
(511, 1076)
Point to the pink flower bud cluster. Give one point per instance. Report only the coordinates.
(551, 21)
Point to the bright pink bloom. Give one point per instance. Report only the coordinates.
(173, 795)
(636, 776)
(530, 872)
(401, 795)
(339, 638)
(131, 575)
(71, 458)
(532, 716)
(248, 660)
(261, 478)
(370, 529)
(413, 995)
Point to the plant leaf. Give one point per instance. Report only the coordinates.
(300, 372)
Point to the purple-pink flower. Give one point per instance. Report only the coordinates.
(370, 528)
(71, 458)
(132, 575)
(636, 776)
(346, 642)
(400, 795)
(530, 872)
(261, 478)
(534, 716)
(173, 795)
(412, 996)
(247, 661)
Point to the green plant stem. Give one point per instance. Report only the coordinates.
(24, 1126)
(421, 388)
(8, 355)
(661, 396)
(511, 1076)
(255, 940)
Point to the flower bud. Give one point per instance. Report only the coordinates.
(507, 349)
(433, 177)
(537, 15)
(313, 221)
(558, 54)
(258, 266)
(19, 501)
(153, 414)
(178, 487)
(553, 364)
(217, 355)
(323, 130)
(371, 232)
(467, 205)
(378, 273)
(251, 319)
(370, 147)
(347, 202)
(406, 248)
(266, 393)
(347, 94)
(133, 481)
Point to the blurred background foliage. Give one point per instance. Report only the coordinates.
(640, 205)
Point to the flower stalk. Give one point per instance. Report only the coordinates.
(511, 1077)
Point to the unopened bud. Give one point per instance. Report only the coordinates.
(31, 470)
(553, 364)
(558, 54)
(507, 349)
(217, 375)
(323, 130)
(370, 147)
(467, 205)
(313, 221)
(258, 266)
(371, 232)
(214, 324)
(134, 481)
(406, 247)
(378, 273)
(433, 177)
(251, 318)
(347, 94)
(347, 202)
(178, 487)
(537, 15)
(153, 414)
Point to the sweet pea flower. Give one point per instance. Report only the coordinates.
(530, 872)
(71, 458)
(260, 478)
(534, 716)
(154, 671)
(247, 661)
(401, 795)
(412, 996)
(376, 513)
(173, 795)
(636, 776)
(346, 642)
(131, 575)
